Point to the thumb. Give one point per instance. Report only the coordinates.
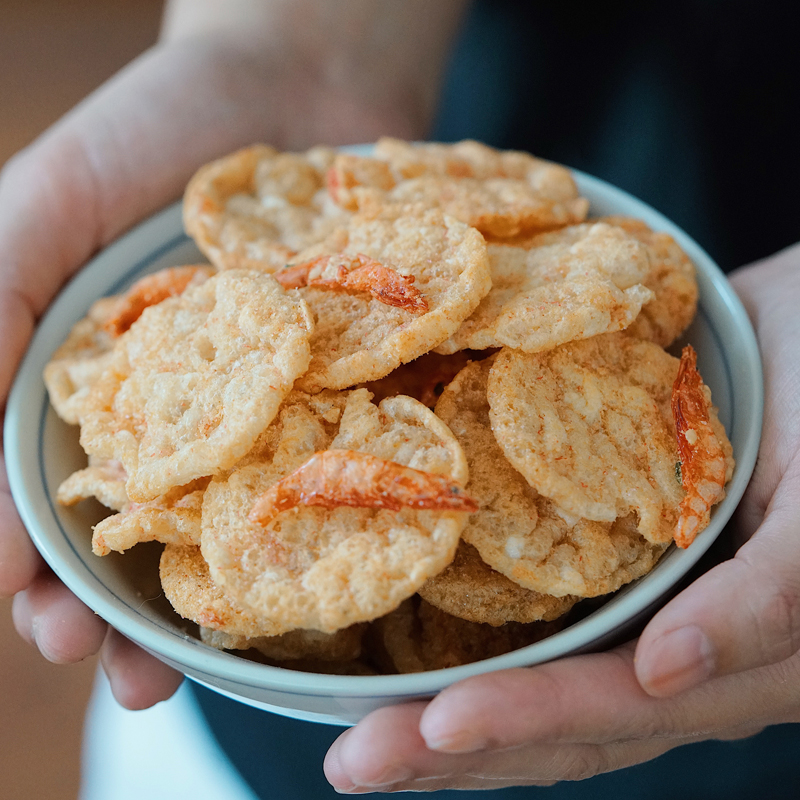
(744, 613)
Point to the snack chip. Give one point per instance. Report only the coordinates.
(520, 533)
(195, 381)
(173, 518)
(326, 569)
(589, 425)
(358, 338)
(470, 589)
(573, 284)
(257, 207)
(671, 279)
(188, 586)
(418, 637)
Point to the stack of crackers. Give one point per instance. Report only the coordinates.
(413, 411)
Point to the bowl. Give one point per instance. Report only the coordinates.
(42, 450)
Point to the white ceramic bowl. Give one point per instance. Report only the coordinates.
(41, 451)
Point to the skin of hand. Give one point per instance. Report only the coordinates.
(292, 74)
(720, 661)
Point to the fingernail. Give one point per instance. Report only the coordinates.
(461, 742)
(679, 660)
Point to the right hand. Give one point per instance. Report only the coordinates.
(129, 149)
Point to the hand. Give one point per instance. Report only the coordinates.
(718, 662)
(290, 74)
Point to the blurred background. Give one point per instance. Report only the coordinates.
(52, 54)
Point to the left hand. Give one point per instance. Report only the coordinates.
(720, 661)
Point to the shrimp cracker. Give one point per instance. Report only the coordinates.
(79, 362)
(342, 645)
(572, 284)
(589, 425)
(419, 637)
(519, 533)
(501, 193)
(196, 380)
(257, 207)
(358, 337)
(103, 479)
(672, 280)
(173, 518)
(470, 589)
(328, 568)
(189, 588)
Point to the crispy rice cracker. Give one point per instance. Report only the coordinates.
(500, 193)
(571, 284)
(255, 208)
(520, 533)
(357, 338)
(500, 207)
(418, 637)
(78, 363)
(470, 589)
(104, 479)
(324, 569)
(589, 425)
(189, 588)
(342, 645)
(195, 381)
(672, 280)
(173, 518)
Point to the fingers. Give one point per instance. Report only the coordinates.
(743, 614)
(19, 560)
(50, 617)
(138, 680)
(596, 699)
(386, 752)
(567, 720)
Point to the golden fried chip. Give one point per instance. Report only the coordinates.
(519, 533)
(671, 279)
(470, 589)
(326, 569)
(78, 363)
(471, 159)
(189, 588)
(255, 208)
(419, 637)
(349, 171)
(153, 289)
(173, 518)
(195, 381)
(571, 284)
(358, 338)
(590, 426)
(500, 193)
(500, 207)
(342, 645)
(103, 479)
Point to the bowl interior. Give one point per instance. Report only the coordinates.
(42, 450)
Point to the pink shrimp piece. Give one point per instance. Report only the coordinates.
(334, 478)
(150, 291)
(702, 460)
(355, 274)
